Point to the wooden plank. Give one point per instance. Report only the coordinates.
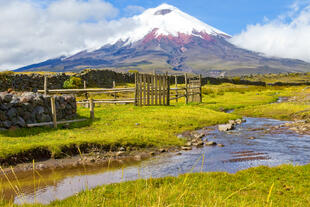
(159, 89)
(140, 89)
(110, 92)
(148, 81)
(54, 114)
(95, 100)
(152, 89)
(86, 94)
(112, 102)
(91, 109)
(59, 122)
(200, 89)
(45, 85)
(164, 90)
(89, 90)
(114, 86)
(156, 88)
(186, 89)
(168, 89)
(136, 89)
(176, 86)
(144, 89)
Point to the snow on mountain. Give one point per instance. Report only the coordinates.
(166, 20)
(167, 39)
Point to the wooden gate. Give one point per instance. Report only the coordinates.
(152, 90)
(193, 86)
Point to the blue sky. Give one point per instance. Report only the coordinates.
(36, 30)
(230, 16)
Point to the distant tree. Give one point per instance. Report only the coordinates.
(73, 82)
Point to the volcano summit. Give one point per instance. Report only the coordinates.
(167, 39)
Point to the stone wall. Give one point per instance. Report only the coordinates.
(35, 81)
(94, 78)
(19, 109)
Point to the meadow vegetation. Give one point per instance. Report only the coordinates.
(143, 127)
(283, 78)
(285, 185)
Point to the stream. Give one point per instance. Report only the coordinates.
(251, 144)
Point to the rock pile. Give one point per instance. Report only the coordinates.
(18, 110)
(231, 125)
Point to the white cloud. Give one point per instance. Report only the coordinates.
(32, 32)
(286, 36)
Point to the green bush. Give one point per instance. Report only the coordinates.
(73, 82)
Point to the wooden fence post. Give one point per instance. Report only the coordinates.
(148, 81)
(45, 85)
(186, 89)
(86, 94)
(54, 114)
(168, 89)
(136, 89)
(176, 86)
(114, 86)
(92, 112)
(200, 82)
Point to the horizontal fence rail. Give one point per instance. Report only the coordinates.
(149, 90)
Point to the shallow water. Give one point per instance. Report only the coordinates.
(269, 148)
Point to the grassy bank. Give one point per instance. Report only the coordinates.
(280, 186)
(116, 125)
(297, 107)
(281, 111)
(128, 125)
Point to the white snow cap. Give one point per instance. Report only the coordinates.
(167, 20)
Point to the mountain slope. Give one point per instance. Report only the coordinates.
(167, 39)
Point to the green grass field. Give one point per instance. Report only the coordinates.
(133, 126)
(262, 186)
(144, 127)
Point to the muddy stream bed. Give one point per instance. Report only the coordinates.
(254, 143)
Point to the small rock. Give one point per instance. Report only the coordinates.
(162, 150)
(120, 153)
(41, 166)
(252, 138)
(198, 144)
(137, 157)
(179, 153)
(152, 153)
(226, 127)
(232, 122)
(210, 143)
(186, 148)
(181, 136)
(188, 144)
(199, 136)
(122, 149)
(239, 121)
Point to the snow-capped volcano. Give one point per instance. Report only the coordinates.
(167, 39)
(167, 20)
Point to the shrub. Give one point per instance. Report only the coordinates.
(133, 71)
(73, 82)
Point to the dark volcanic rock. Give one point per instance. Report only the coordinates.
(28, 108)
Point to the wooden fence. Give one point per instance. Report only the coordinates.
(149, 90)
(152, 90)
